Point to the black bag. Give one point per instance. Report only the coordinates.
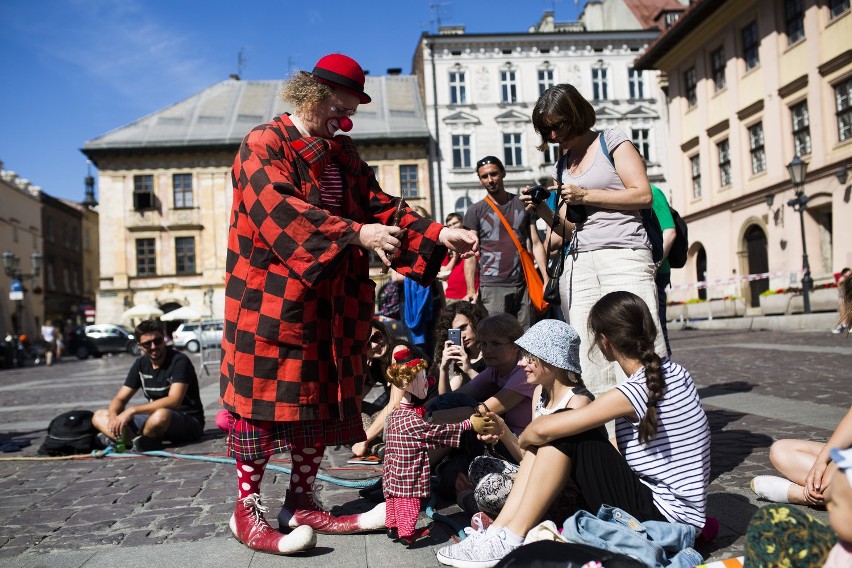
(655, 233)
(551, 554)
(557, 264)
(677, 254)
(70, 433)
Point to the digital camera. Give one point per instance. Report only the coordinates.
(538, 193)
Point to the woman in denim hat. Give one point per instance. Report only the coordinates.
(661, 469)
(551, 360)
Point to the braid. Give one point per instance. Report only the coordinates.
(656, 383)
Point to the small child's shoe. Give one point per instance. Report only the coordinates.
(771, 488)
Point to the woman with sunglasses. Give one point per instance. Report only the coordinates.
(604, 187)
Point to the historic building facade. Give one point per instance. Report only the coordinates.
(20, 234)
(480, 90)
(165, 186)
(751, 85)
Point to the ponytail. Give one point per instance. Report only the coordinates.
(626, 321)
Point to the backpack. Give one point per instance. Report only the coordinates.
(70, 433)
(680, 246)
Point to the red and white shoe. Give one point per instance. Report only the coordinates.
(300, 509)
(250, 528)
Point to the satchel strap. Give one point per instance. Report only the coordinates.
(559, 265)
(505, 224)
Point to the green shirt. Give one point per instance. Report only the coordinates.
(664, 216)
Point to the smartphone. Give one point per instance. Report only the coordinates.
(454, 335)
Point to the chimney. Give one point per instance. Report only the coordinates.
(394, 71)
(234, 77)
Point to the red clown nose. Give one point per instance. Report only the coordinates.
(345, 123)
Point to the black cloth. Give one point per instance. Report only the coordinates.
(155, 383)
(603, 476)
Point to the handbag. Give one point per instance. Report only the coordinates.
(557, 265)
(535, 285)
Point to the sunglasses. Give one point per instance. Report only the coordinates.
(547, 129)
(489, 160)
(152, 343)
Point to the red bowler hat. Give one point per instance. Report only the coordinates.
(338, 70)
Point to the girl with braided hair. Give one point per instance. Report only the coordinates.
(660, 470)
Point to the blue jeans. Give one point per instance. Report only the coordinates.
(654, 543)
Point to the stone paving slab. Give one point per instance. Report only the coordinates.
(757, 386)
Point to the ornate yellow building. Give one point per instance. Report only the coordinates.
(751, 84)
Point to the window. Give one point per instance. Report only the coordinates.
(635, 80)
(801, 129)
(551, 154)
(695, 163)
(837, 7)
(143, 192)
(458, 90)
(512, 150)
(794, 19)
(545, 80)
(750, 45)
(642, 142)
(843, 96)
(758, 153)
(461, 150)
(599, 84)
(724, 162)
(508, 87)
(717, 68)
(146, 257)
(185, 255)
(48, 229)
(689, 86)
(408, 180)
(182, 184)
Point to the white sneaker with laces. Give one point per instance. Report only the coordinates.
(482, 551)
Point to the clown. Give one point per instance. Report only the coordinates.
(408, 438)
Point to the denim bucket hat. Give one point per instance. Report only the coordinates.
(554, 342)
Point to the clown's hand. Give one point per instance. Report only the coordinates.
(481, 424)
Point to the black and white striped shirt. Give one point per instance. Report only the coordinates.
(676, 463)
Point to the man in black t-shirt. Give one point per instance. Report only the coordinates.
(168, 380)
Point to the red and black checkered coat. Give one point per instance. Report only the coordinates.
(405, 468)
(298, 298)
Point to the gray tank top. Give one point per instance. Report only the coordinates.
(606, 228)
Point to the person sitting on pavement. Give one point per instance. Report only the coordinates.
(661, 469)
(778, 535)
(173, 411)
(805, 467)
(456, 365)
(551, 361)
(502, 388)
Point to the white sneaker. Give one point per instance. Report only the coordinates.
(841, 327)
(483, 551)
(771, 488)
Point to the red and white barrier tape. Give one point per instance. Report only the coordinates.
(733, 280)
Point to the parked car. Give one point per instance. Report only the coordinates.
(191, 335)
(98, 339)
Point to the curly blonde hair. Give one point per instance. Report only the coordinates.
(302, 90)
(400, 375)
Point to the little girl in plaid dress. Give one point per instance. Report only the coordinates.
(408, 439)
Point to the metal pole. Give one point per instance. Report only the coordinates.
(807, 281)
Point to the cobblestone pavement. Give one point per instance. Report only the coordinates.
(756, 386)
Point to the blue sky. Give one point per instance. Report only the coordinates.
(76, 69)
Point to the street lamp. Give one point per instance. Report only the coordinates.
(11, 266)
(798, 169)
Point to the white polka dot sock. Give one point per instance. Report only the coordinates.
(249, 476)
